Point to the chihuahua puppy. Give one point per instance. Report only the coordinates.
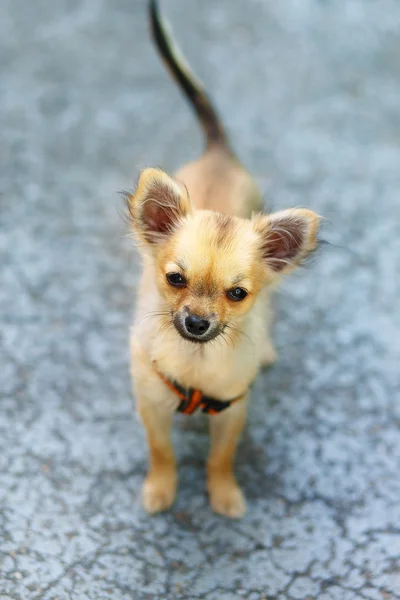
(201, 330)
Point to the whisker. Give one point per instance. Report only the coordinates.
(164, 327)
(153, 313)
(222, 338)
(229, 340)
(239, 332)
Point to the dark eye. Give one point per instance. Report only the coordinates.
(176, 280)
(237, 294)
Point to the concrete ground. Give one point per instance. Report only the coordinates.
(310, 91)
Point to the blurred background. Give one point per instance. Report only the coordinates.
(310, 94)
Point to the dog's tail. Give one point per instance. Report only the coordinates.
(187, 80)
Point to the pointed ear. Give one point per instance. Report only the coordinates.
(286, 237)
(157, 207)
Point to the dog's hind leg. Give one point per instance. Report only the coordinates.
(268, 352)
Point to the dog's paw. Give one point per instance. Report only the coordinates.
(227, 499)
(269, 355)
(158, 493)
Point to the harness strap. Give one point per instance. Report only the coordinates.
(191, 399)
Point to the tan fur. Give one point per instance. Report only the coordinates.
(217, 181)
(215, 252)
(201, 225)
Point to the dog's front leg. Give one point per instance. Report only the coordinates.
(225, 494)
(159, 488)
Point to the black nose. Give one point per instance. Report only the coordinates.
(196, 325)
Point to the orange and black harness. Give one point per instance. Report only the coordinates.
(192, 399)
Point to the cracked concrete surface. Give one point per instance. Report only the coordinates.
(311, 94)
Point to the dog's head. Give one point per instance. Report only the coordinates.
(211, 267)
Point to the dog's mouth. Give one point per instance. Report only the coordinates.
(213, 331)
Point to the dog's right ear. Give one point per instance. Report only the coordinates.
(157, 207)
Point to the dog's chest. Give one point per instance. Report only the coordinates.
(219, 371)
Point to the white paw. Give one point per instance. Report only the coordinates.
(227, 499)
(158, 493)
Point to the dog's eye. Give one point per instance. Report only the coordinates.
(237, 294)
(176, 280)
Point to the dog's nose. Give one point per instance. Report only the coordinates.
(196, 325)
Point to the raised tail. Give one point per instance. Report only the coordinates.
(187, 80)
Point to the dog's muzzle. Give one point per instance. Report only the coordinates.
(196, 328)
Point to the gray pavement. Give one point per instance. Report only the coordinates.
(310, 91)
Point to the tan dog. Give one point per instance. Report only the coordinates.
(201, 330)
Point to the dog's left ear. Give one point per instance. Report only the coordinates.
(157, 207)
(286, 237)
